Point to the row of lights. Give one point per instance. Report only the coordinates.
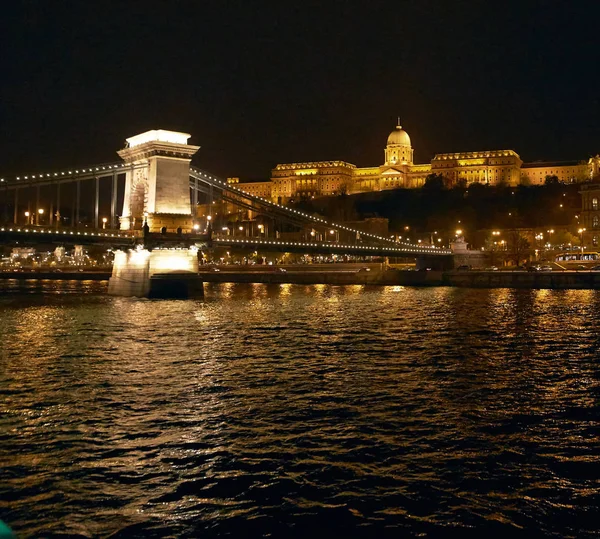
(300, 244)
(25, 230)
(69, 172)
(230, 187)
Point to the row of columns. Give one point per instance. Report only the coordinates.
(76, 205)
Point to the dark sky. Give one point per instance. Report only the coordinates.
(258, 83)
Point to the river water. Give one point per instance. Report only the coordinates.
(291, 411)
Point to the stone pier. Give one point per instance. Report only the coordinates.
(160, 273)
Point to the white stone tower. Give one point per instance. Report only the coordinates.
(157, 187)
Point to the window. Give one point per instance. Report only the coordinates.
(595, 221)
(595, 241)
(594, 203)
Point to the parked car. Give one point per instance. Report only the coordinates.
(364, 270)
(491, 268)
(546, 268)
(596, 268)
(534, 268)
(464, 267)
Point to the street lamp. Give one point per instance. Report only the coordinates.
(581, 231)
(40, 212)
(104, 221)
(26, 217)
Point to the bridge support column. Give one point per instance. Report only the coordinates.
(16, 212)
(77, 200)
(113, 202)
(96, 202)
(160, 273)
(58, 204)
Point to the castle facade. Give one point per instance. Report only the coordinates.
(491, 167)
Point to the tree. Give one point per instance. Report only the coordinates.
(551, 180)
(518, 246)
(461, 183)
(434, 182)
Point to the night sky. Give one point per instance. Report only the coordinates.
(258, 83)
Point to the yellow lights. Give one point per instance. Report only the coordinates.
(306, 172)
(469, 162)
(41, 211)
(196, 227)
(104, 221)
(241, 228)
(208, 217)
(459, 232)
(495, 233)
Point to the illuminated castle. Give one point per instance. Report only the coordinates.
(326, 178)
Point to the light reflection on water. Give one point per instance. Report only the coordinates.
(289, 410)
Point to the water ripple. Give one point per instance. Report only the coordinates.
(283, 410)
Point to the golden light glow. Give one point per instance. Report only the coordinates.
(159, 135)
(470, 162)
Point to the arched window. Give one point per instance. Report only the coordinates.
(595, 241)
(595, 221)
(594, 203)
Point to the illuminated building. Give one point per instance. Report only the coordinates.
(489, 167)
(590, 213)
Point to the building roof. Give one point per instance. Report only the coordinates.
(314, 164)
(399, 136)
(473, 155)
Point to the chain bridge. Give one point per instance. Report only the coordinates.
(155, 200)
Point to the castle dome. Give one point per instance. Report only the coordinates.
(399, 136)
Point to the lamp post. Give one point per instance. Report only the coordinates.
(40, 212)
(581, 231)
(539, 237)
(104, 221)
(26, 217)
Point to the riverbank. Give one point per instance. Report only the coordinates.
(583, 279)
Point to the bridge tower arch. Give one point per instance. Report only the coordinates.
(157, 181)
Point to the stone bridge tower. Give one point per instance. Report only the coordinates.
(157, 189)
